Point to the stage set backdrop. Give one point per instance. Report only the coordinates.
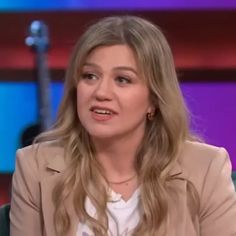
(212, 104)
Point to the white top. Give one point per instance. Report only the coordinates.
(123, 216)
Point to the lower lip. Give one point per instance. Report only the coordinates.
(101, 117)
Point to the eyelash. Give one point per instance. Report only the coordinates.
(88, 76)
(119, 79)
(123, 80)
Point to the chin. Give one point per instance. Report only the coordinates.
(103, 134)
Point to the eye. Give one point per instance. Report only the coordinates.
(88, 76)
(123, 80)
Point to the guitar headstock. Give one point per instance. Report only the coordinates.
(38, 38)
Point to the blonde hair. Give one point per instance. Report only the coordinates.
(163, 139)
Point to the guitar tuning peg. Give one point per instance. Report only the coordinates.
(29, 41)
(38, 36)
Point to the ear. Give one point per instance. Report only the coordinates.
(151, 109)
(151, 113)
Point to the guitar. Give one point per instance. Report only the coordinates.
(38, 41)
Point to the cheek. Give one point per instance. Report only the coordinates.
(83, 94)
(81, 100)
(137, 102)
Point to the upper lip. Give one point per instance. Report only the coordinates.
(102, 108)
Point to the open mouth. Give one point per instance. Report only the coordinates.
(102, 111)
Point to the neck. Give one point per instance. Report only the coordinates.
(118, 156)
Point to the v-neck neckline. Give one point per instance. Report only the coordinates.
(116, 198)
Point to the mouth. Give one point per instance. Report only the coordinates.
(102, 110)
(102, 114)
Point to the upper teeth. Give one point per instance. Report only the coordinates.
(101, 111)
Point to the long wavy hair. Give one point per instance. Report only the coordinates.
(164, 135)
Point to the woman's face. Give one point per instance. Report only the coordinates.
(112, 99)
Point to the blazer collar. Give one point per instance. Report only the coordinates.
(57, 163)
(177, 171)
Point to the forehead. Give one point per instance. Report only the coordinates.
(121, 55)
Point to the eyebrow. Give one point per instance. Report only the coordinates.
(127, 68)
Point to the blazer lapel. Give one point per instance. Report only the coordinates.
(179, 221)
(54, 170)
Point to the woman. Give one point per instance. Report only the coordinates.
(120, 159)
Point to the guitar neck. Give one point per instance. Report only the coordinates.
(43, 79)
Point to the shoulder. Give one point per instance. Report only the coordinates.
(196, 155)
(32, 183)
(209, 169)
(40, 155)
(43, 148)
(202, 163)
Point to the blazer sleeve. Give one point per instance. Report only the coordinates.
(218, 199)
(25, 213)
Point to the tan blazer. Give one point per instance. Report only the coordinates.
(207, 167)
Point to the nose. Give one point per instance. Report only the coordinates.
(103, 90)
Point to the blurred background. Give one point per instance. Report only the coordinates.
(202, 35)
